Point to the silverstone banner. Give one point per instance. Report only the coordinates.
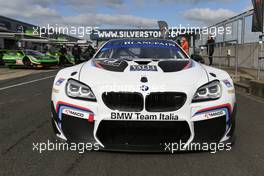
(257, 23)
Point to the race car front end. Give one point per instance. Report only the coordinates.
(12, 57)
(43, 61)
(129, 114)
(214, 112)
(72, 116)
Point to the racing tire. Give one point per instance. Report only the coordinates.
(27, 62)
(2, 63)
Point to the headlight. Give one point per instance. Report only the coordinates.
(75, 89)
(210, 91)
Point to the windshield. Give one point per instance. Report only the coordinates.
(136, 49)
(11, 53)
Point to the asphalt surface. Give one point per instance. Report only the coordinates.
(7, 73)
(25, 119)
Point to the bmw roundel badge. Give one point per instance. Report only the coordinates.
(144, 88)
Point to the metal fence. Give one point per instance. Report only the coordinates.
(241, 48)
(224, 53)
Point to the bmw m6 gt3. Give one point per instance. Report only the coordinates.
(139, 94)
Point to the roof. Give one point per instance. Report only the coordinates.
(17, 21)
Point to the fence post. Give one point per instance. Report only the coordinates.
(258, 74)
(243, 29)
(220, 51)
(236, 53)
(261, 55)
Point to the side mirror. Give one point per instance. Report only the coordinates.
(197, 58)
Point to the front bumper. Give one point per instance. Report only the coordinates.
(46, 63)
(147, 136)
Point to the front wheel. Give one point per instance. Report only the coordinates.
(27, 62)
(2, 62)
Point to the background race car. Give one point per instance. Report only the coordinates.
(57, 55)
(69, 57)
(28, 58)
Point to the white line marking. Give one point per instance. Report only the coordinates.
(24, 83)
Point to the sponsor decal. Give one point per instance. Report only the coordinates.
(59, 81)
(149, 43)
(144, 88)
(143, 117)
(73, 113)
(226, 108)
(210, 115)
(214, 114)
(143, 68)
(63, 108)
(139, 44)
(227, 83)
(114, 62)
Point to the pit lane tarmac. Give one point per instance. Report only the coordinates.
(25, 119)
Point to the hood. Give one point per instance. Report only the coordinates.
(164, 75)
(168, 65)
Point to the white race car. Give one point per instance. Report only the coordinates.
(140, 95)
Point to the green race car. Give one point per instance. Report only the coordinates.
(69, 57)
(28, 58)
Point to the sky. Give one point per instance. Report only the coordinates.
(123, 13)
